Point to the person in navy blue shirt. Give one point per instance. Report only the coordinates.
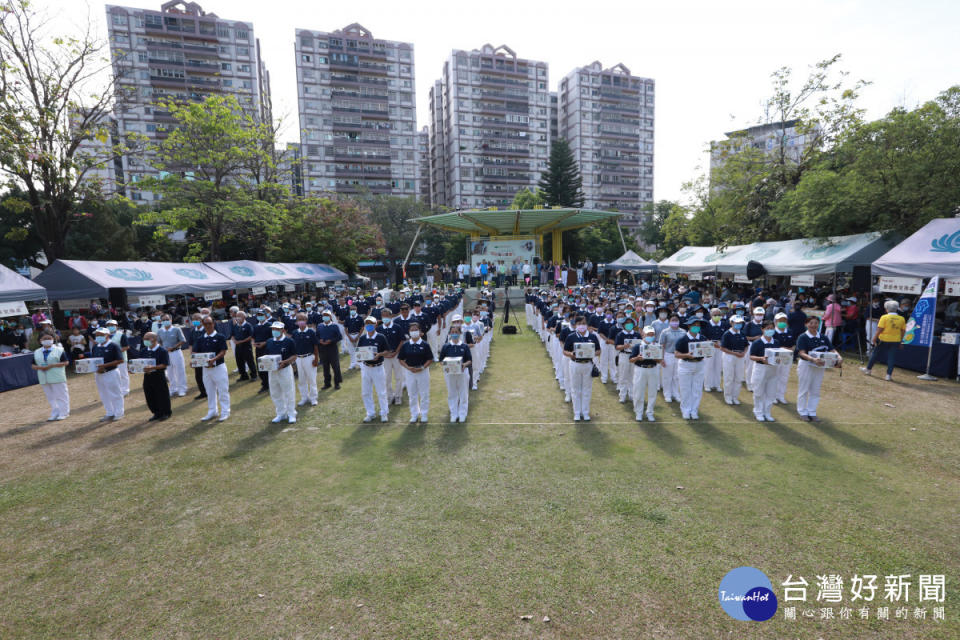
(282, 391)
(458, 384)
(581, 379)
(372, 378)
(784, 339)
(328, 337)
(764, 374)
(308, 359)
(416, 356)
(352, 326)
(242, 333)
(392, 369)
(156, 391)
(733, 349)
(690, 370)
(215, 378)
(261, 333)
(810, 345)
(107, 376)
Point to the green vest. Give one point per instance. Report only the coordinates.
(51, 376)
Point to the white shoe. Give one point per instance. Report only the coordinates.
(368, 418)
(52, 417)
(576, 418)
(180, 395)
(301, 403)
(63, 417)
(888, 377)
(224, 417)
(769, 418)
(398, 401)
(728, 401)
(694, 416)
(278, 419)
(313, 403)
(413, 420)
(453, 418)
(209, 416)
(474, 387)
(668, 399)
(865, 371)
(566, 399)
(640, 418)
(383, 418)
(761, 419)
(423, 419)
(586, 417)
(291, 419)
(735, 401)
(651, 418)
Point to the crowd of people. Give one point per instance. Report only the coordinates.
(393, 338)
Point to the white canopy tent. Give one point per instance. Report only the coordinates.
(933, 250)
(630, 261)
(15, 288)
(72, 279)
(250, 273)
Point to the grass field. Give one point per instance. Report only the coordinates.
(337, 529)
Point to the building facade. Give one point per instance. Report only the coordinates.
(358, 116)
(489, 127)
(607, 117)
(765, 138)
(179, 53)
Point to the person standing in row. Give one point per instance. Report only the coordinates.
(764, 374)
(713, 330)
(458, 384)
(352, 327)
(733, 349)
(392, 369)
(690, 370)
(262, 332)
(580, 382)
(50, 362)
(752, 332)
(372, 375)
(308, 359)
(328, 339)
(623, 345)
(107, 377)
(784, 339)
(155, 388)
(242, 333)
(196, 323)
(119, 338)
(416, 357)
(646, 377)
(810, 346)
(216, 381)
(282, 392)
(668, 374)
(172, 341)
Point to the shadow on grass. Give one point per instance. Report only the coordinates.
(922, 387)
(25, 428)
(797, 439)
(714, 437)
(361, 438)
(124, 434)
(185, 436)
(413, 436)
(67, 436)
(257, 440)
(848, 439)
(667, 441)
(592, 440)
(453, 437)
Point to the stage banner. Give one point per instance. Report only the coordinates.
(919, 329)
(505, 250)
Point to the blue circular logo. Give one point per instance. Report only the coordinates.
(242, 271)
(277, 270)
(132, 275)
(746, 593)
(825, 250)
(305, 271)
(193, 274)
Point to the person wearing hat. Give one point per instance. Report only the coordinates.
(458, 384)
(668, 374)
(352, 327)
(764, 374)
(663, 320)
(107, 377)
(392, 369)
(328, 336)
(646, 377)
(372, 376)
(752, 332)
(690, 369)
(580, 382)
(216, 381)
(262, 332)
(282, 391)
(733, 350)
(308, 359)
(623, 345)
(50, 362)
(156, 392)
(784, 340)
(119, 338)
(712, 366)
(810, 345)
(416, 357)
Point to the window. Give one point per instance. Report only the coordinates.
(141, 57)
(153, 21)
(120, 21)
(225, 66)
(306, 41)
(227, 82)
(243, 34)
(243, 68)
(305, 57)
(223, 32)
(243, 51)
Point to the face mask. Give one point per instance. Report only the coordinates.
(468, 319)
(663, 316)
(277, 333)
(112, 329)
(387, 322)
(455, 337)
(327, 320)
(47, 343)
(649, 309)
(261, 318)
(739, 312)
(582, 328)
(147, 343)
(166, 324)
(195, 323)
(94, 323)
(608, 317)
(370, 328)
(649, 338)
(736, 327)
(101, 339)
(781, 325)
(414, 334)
(716, 318)
(674, 325)
(302, 324)
(353, 314)
(768, 332)
(698, 314)
(758, 319)
(628, 326)
(694, 330)
(621, 320)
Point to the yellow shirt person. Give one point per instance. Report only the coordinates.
(890, 328)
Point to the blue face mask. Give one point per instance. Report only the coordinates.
(694, 330)
(649, 338)
(147, 344)
(261, 318)
(768, 332)
(628, 326)
(277, 333)
(370, 328)
(166, 324)
(101, 339)
(195, 323)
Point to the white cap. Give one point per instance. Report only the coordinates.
(111, 322)
(370, 319)
(456, 318)
(759, 310)
(277, 325)
(649, 329)
(780, 315)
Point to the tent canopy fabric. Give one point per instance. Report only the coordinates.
(515, 222)
(15, 288)
(785, 258)
(249, 273)
(630, 261)
(71, 279)
(933, 250)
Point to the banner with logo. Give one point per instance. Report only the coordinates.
(919, 329)
(496, 250)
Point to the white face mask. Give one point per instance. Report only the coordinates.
(414, 334)
(582, 328)
(47, 343)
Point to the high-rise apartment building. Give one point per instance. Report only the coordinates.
(357, 112)
(607, 117)
(180, 53)
(489, 127)
(768, 139)
(423, 160)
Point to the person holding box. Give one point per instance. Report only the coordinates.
(458, 384)
(764, 379)
(733, 349)
(107, 376)
(373, 377)
(415, 356)
(308, 359)
(215, 378)
(690, 369)
(811, 346)
(580, 383)
(646, 377)
(155, 388)
(282, 391)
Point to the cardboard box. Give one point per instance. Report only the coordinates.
(367, 353)
(453, 365)
(829, 358)
(137, 365)
(88, 365)
(701, 349)
(779, 356)
(200, 360)
(269, 363)
(584, 350)
(948, 337)
(651, 351)
(632, 341)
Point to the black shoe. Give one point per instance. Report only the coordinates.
(264, 390)
(166, 417)
(327, 386)
(153, 418)
(242, 379)
(336, 387)
(201, 396)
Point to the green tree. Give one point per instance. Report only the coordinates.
(53, 98)
(105, 230)
(392, 214)
(19, 242)
(528, 198)
(650, 231)
(561, 184)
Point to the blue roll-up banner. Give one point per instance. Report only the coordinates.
(919, 329)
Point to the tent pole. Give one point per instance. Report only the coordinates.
(926, 375)
(410, 250)
(716, 274)
(617, 220)
(869, 306)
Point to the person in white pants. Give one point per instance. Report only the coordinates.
(392, 369)
(458, 384)
(690, 370)
(580, 382)
(107, 376)
(646, 377)
(415, 356)
(764, 374)
(372, 378)
(119, 338)
(308, 358)
(713, 365)
(50, 362)
(784, 340)
(172, 339)
(282, 391)
(733, 349)
(623, 345)
(810, 346)
(752, 332)
(668, 374)
(215, 378)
